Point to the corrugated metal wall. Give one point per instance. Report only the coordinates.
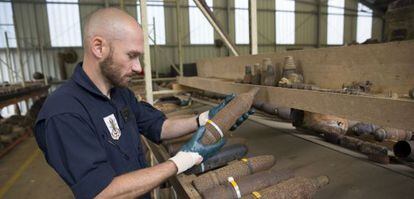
(32, 29)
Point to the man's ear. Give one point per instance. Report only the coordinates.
(98, 47)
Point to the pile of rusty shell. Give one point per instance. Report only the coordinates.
(235, 169)
(351, 143)
(411, 93)
(393, 134)
(248, 184)
(297, 187)
(404, 149)
(225, 155)
(375, 152)
(248, 74)
(228, 116)
(361, 128)
(257, 74)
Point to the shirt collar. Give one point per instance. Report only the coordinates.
(81, 78)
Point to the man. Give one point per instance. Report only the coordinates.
(89, 128)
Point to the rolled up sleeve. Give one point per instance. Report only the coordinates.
(73, 149)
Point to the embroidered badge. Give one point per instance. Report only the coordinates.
(112, 126)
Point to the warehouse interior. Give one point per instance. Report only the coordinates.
(330, 82)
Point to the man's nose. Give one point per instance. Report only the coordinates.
(136, 67)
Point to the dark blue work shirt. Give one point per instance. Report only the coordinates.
(89, 139)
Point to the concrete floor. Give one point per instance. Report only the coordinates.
(25, 174)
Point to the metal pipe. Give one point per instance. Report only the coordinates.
(253, 27)
(248, 184)
(236, 169)
(226, 154)
(147, 57)
(8, 58)
(155, 48)
(179, 39)
(18, 48)
(210, 17)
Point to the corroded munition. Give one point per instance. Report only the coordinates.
(363, 128)
(404, 149)
(247, 75)
(325, 123)
(248, 184)
(226, 154)
(257, 74)
(235, 169)
(296, 188)
(382, 134)
(351, 143)
(334, 138)
(228, 116)
(375, 152)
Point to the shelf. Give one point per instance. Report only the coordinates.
(397, 113)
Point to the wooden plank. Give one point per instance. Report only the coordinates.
(389, 66)
(38, 92)
(397, 113)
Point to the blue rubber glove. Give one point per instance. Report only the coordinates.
(195, 145)
(203, 117)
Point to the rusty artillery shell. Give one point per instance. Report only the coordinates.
(351, 143)
(228, 116)
(325, 123)
(235, 169)
(270, 78)
(375, 152)
(361, 128)
(257, 74)
(248, 184)
(404, 149)
(382, 134)
(225, 155)
(247, 74)
(298, 187)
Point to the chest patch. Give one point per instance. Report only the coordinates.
(112, 126)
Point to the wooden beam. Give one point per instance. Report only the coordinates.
(381, 111)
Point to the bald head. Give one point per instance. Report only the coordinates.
(110, 24)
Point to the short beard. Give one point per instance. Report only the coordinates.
(111, 72)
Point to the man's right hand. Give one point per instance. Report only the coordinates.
(194, 152)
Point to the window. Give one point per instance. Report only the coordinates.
(336, 22)
(285, 22)
(6, 25)
(364, 23)
(155, 11)
(241, 19)
(64, 23)
(201, 31)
